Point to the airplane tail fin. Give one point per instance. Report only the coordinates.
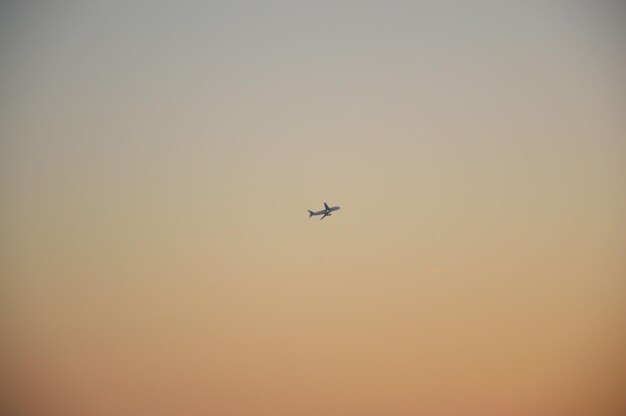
(310, 213)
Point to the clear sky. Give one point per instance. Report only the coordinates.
(157, 161)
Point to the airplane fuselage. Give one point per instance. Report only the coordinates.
(327, 212)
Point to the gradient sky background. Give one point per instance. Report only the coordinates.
(157, 161)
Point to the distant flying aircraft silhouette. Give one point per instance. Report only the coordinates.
(325, 212)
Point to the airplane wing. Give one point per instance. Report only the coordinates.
(324, 216)
(326, 205)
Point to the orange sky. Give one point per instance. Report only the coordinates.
(157, 162)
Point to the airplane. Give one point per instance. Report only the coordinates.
(325, 212)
